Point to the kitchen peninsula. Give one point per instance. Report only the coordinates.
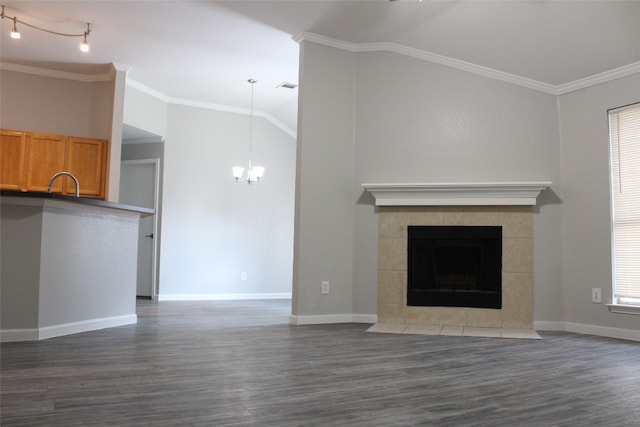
(68, 264)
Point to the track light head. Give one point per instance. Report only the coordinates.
(15, 34)
(84, 46)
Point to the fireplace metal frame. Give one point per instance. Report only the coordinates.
(423, 281)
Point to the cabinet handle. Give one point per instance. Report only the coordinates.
(149, 235)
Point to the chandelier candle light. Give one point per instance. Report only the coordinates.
(254, 173)
(15, 34)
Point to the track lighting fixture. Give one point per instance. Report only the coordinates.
(15, 34)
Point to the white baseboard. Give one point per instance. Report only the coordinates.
(581, 328)
(222, 297)
(319, 319)
(31, 334)
(604, 331)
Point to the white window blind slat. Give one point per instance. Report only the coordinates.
(624, 137)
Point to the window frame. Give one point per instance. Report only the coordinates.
(620, 304)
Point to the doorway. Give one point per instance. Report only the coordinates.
(139, 186)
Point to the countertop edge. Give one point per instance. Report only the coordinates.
(80, 201)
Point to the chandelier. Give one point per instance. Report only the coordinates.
(254, 173)
(15, 34)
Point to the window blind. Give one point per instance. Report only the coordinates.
(624, 125)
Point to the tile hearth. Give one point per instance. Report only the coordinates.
(458, 331)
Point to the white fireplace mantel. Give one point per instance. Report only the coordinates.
(457, 194)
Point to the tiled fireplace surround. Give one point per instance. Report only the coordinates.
(517, 265)
(431, 205)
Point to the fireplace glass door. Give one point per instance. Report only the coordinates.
(455, 266)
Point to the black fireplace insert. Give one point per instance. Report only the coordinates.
(455, 266)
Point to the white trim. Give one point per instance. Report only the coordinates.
(603, 331)
(280, 125)
(457, 194)
(322, 319)
(222, 297)
(66, 328)
(431, 57)
(607, 76)
(624, 309)
(120, 66)
(86, 78)
(211, 106)
(147, 90)
(581, 328)
(491, 73)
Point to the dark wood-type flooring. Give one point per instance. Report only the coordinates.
(239, 363)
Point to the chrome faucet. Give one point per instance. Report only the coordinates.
(69, 174)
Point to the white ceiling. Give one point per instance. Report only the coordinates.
(204, 51)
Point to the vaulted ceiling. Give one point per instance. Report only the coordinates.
(204, 51)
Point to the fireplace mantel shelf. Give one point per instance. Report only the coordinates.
(457, 194)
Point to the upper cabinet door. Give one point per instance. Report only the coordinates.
(45, 155)
(86, 160)
(29, 160)
(12, 151)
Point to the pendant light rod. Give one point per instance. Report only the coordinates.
(254, 173)
(252, 82)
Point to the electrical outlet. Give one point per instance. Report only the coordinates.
(326, 287)
(243, 275)
(596, 295)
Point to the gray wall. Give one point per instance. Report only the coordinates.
(20, 237)
(89, 274)
(55, 105)
(586, 219)
(324, 190)
(145, 112)
(383, 117)
(58, 274)
(212, 228)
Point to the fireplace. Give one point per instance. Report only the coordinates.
(454, 266)
(505, 206)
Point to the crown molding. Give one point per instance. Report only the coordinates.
(607, 76)
(211, 106)
(457, 194)
(562, 89)
(147, 90)
(280, 125)
(85, 78)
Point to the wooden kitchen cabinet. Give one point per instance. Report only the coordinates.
(45, 156)
(30, 159)
(86, 159)
(12, 150)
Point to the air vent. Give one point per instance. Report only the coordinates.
(286, 85)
